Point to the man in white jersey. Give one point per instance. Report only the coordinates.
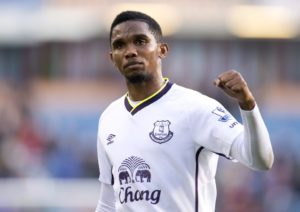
(158, 145)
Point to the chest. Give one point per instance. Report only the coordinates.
(151, 136)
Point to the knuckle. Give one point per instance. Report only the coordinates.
(233, 71)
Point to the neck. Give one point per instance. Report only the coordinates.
(142, 90)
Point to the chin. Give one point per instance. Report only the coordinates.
(138, 78)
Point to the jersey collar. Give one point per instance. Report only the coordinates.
(149, 100)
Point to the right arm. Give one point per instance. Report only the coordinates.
(107, 200)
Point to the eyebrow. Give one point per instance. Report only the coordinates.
(142, 35)
(135, 35)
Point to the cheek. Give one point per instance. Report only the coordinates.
(153, 56)
(117, 60)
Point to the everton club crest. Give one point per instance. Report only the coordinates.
(161, 132)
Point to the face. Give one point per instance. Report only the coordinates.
(135, 51)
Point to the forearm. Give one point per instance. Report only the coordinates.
(253, 148)
(106, 201)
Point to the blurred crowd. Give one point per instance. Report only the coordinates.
(27, 149)
(277, 190)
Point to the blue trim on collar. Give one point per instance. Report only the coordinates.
(130, 109)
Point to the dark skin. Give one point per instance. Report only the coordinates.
(137, 55)
(234, 85)
(133, 43)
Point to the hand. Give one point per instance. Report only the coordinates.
(234, 85)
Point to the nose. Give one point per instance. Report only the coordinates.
(130, 51)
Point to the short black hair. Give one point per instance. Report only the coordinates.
(154, 27)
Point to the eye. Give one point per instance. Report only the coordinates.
(140, 41)
(118, 45)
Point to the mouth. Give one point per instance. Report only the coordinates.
(133, 64)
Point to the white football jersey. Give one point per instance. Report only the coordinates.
(161, 155)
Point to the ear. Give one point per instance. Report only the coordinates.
(112, 58)
(163, 50)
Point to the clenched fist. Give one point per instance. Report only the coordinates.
(234, 85)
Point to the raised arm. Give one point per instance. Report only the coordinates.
(253, 148)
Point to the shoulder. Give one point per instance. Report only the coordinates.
(192, 97)
(113, 109)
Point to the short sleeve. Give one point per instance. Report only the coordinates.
(105, 167)
(213, 127)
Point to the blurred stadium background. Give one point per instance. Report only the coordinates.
(56, 78)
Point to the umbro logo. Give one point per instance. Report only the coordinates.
(110, 139)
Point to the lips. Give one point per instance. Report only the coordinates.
(132, 64)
